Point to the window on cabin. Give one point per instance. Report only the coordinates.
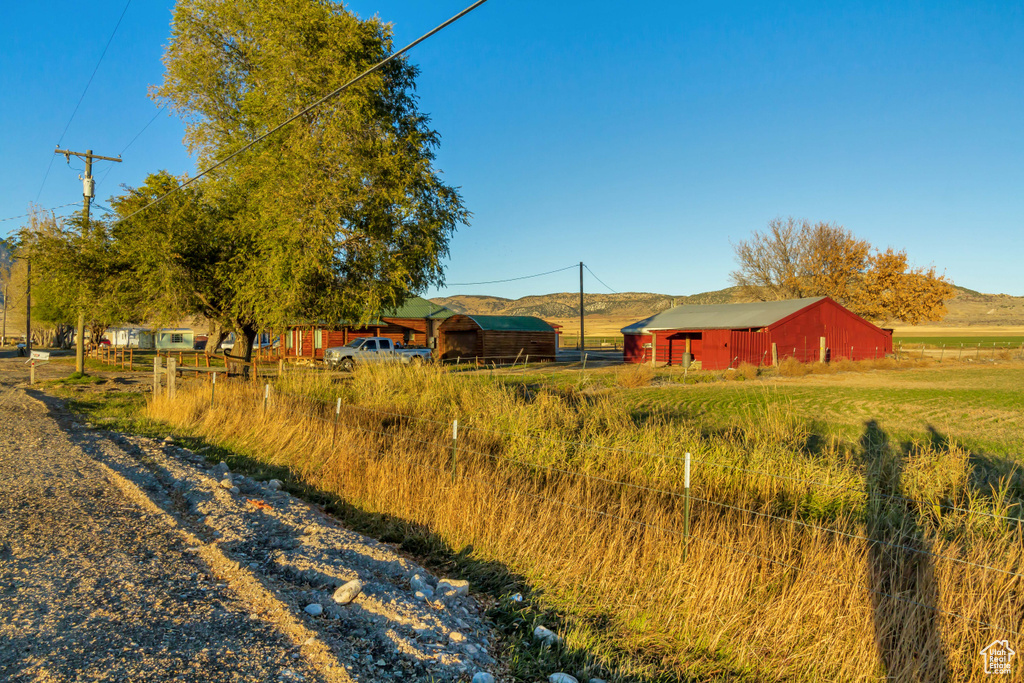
(318, 339)
(177, 338)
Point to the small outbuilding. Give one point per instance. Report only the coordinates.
(130, 337)
(175, 339)
(721, 336)
(497, 338)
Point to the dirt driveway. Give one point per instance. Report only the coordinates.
(125, 559)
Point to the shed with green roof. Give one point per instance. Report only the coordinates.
(497, 338)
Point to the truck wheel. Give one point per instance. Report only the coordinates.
(347, 364)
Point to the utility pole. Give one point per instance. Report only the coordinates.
(28, 308)
(88, 192)
(3, 335)
(582, 338)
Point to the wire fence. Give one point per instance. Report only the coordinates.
(454, 451)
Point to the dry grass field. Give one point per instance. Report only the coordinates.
(872, 515)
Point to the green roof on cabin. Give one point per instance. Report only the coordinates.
(511, 323)
(418, 307)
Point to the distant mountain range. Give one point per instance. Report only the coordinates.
(967, 308)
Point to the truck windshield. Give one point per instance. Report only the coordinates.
(355, 343)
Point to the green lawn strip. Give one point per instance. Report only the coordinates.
(954, 342)
(981, 409)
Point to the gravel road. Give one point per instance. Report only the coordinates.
(125, 559)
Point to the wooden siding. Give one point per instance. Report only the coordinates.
(412, 332)
(460, 336)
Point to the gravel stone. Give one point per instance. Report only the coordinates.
(121, 559)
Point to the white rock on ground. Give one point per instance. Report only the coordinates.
(562, 678)
(596, 680)
(274, 485)
(226, 483)
(546, 636)
(460, 587)
(483, 677)
(348, 592)
(315, 609)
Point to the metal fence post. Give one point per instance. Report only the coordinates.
(213, 389)
(960, 353)
(337, 415)
(686, 505)
(266, 396)
(455, 446)
(942, 352)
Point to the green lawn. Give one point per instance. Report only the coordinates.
(980, 408)
(1012, 342)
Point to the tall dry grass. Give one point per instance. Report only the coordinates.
(584, 501)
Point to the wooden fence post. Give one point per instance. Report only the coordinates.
(172, 369)
(821, 349)
(157, 369)
(775, 355)
(213, 389)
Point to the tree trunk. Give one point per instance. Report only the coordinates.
(245, 337)
(215, 335)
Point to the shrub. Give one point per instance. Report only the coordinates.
(791, 367)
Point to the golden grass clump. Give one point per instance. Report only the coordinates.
(572, 493)
(634, 375)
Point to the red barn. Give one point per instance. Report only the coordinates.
(720, 336)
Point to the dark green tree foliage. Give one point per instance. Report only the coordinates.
(339, 214)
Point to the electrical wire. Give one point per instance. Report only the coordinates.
(599, 279)
(511, 279)
(26, 215)
(131, 142)
(82, 97)
(306, 110)
(95, 69)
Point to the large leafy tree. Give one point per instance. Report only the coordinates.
(339, 213)
(794, 259)
(75, 271)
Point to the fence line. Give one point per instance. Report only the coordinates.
(689, 535)
(677, 495)
(715, 463)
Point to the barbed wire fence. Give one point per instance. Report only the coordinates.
(462, 451)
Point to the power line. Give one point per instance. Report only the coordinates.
(511, 279)
(100, 61)
(97, 68)
(26, 215)
(131, 142)
(303, 112)
(599, 279)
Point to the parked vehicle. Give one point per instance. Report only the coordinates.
(372, 350)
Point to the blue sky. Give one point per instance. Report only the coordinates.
(639, 138)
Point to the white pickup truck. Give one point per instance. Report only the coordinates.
(372, 350)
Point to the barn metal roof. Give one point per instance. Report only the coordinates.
(721, 316)
(511, 323)
(418, 307)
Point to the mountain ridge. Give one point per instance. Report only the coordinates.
(968, 307)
